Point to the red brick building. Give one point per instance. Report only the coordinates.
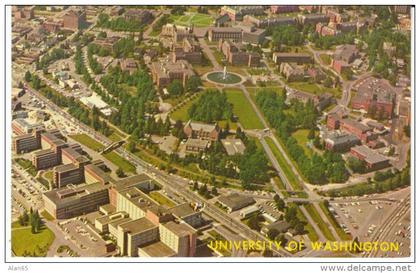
(74, 19)
(202, 130)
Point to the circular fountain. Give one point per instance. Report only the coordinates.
(224, 77)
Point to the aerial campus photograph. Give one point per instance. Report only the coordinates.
(210, 131)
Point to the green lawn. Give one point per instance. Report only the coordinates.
(294, 183)
(120, 162)
(161, 199)
(325, 58)
(315, 89)
(301, 138)
(87, 141)
(308, 228)
(195, 19)
(182, 112)
(24, 241)
(318, 220)
(27, 165)
(243, 109)
(117, 160)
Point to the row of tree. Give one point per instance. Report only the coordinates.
(317, 169)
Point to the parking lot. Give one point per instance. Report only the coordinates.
(81, 234)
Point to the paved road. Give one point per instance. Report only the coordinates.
(209, 53)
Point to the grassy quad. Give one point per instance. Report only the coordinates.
(315, 89)
(195, 19)
(243, 109)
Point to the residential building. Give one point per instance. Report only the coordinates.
(200, 130)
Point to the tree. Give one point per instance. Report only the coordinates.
(28, 76)
(214, 191)
(356, 165)
(175, 88)
(328, 82)
(195, 186)
(254, 222)
(120, 173)
(193, 83)
(272, 233)
(311, 134)
(300, 228)
(132, 146)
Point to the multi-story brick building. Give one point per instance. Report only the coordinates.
(299, 58)
(74, 19)
(163, 73)
(374, 161)
(235, 56)
(27, 142)
(141, 15)
(200, 130)
(284, 8)
(264, 22)
(189, 50)
(236, 13)
(375, 96)
(226, 33)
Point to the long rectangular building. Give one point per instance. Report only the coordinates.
(71, 202)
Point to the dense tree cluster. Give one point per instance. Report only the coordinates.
(123, 48)
(326, 42)
(287, 35)
(119, 23)
(93, 63)
(49, 58)
(210, 107)
(397, 180)
(317, 169)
